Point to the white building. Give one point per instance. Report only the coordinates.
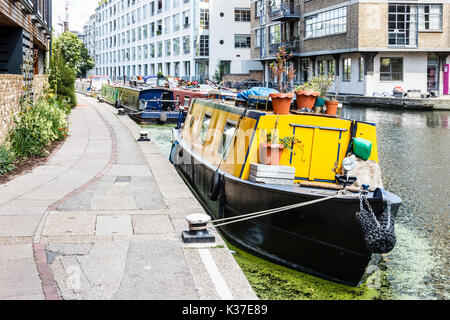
(183, 38)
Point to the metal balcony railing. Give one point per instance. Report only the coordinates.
(292, 47)
(285, 11)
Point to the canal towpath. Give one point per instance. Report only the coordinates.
(102, 219)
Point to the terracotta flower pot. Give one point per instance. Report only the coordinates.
(331, 106)
(306, 99)
(270, 154)
(281, 102)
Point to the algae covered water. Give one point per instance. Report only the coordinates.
(414, 156)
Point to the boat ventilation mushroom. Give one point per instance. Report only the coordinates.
(198, 232)
(143, 136)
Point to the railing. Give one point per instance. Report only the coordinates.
(291, 47)
(284, 11)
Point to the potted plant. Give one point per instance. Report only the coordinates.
(281, 102)
(270, 151)
(306, 95)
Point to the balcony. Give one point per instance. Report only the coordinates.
(284, 12)
(292, 47)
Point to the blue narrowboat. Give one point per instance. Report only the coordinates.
(148, 105)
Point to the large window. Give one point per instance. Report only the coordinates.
(242, 15)
(402, 25)
(186, 44)
(242, 41)
(204, 19)
(275, 34)
(347, 74)
(430, 17)
(391, 69)
(203, 46)
(326, 23)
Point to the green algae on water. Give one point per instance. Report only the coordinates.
(274, 282)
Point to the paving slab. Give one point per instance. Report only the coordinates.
(152, 224)
(114, 225)
(69, 223)
(19, 225)
(19, 278)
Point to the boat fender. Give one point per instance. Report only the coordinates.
(214, 187)
(378, 231)
(117, 104)
(173, 152)
(181, 152)
(163, 117)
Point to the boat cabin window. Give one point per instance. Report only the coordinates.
(227, 138)
(186, 101)
(205, 127)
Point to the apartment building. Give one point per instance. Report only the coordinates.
(369, 46)
(191, 39)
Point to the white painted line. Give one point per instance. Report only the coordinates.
(219, 282)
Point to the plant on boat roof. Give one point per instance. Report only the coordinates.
(280, 67)
(289, 142)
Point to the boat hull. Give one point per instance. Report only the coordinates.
(323, 239)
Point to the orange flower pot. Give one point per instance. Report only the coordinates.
(306, 99)
(270, 154)
(281, 102)
(331, 107)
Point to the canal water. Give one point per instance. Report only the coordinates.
(414, 151)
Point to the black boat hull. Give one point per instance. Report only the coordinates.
(322, 239)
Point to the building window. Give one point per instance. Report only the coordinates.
(258, 6)
(186, 44)
(176, 46)
(203, 46)
(430, 17)
(347, 74)
(275, 34)
(326, 23)
(402, 25)
(321, 67)
(204, 19)
(258, 38)
(168, 46)
(242, 41)
(176, 22)
(391, 69)
(242, 15)
(330, 68)
(361, 69)
(186, 22)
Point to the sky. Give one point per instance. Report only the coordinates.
(79, 13)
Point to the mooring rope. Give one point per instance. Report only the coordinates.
(272, 211)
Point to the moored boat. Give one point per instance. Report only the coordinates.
(312, 226)
(143, 104)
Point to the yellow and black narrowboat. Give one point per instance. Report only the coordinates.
(218, 149)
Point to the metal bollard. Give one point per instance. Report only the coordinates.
(143, 136)
(121, 111)
(198, 232)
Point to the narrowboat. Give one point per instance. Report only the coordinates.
(109, 93)
(143, 104)
(218, 151)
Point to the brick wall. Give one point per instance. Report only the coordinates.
(40, 83)
(258, 75)
(10, 90)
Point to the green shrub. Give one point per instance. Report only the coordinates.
(7, 159)
(36, 127)
(62, 80)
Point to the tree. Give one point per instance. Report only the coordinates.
(73, 51)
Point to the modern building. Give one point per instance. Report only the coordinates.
(369, 46)
(192, 39)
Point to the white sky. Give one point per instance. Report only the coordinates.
(79, 13)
